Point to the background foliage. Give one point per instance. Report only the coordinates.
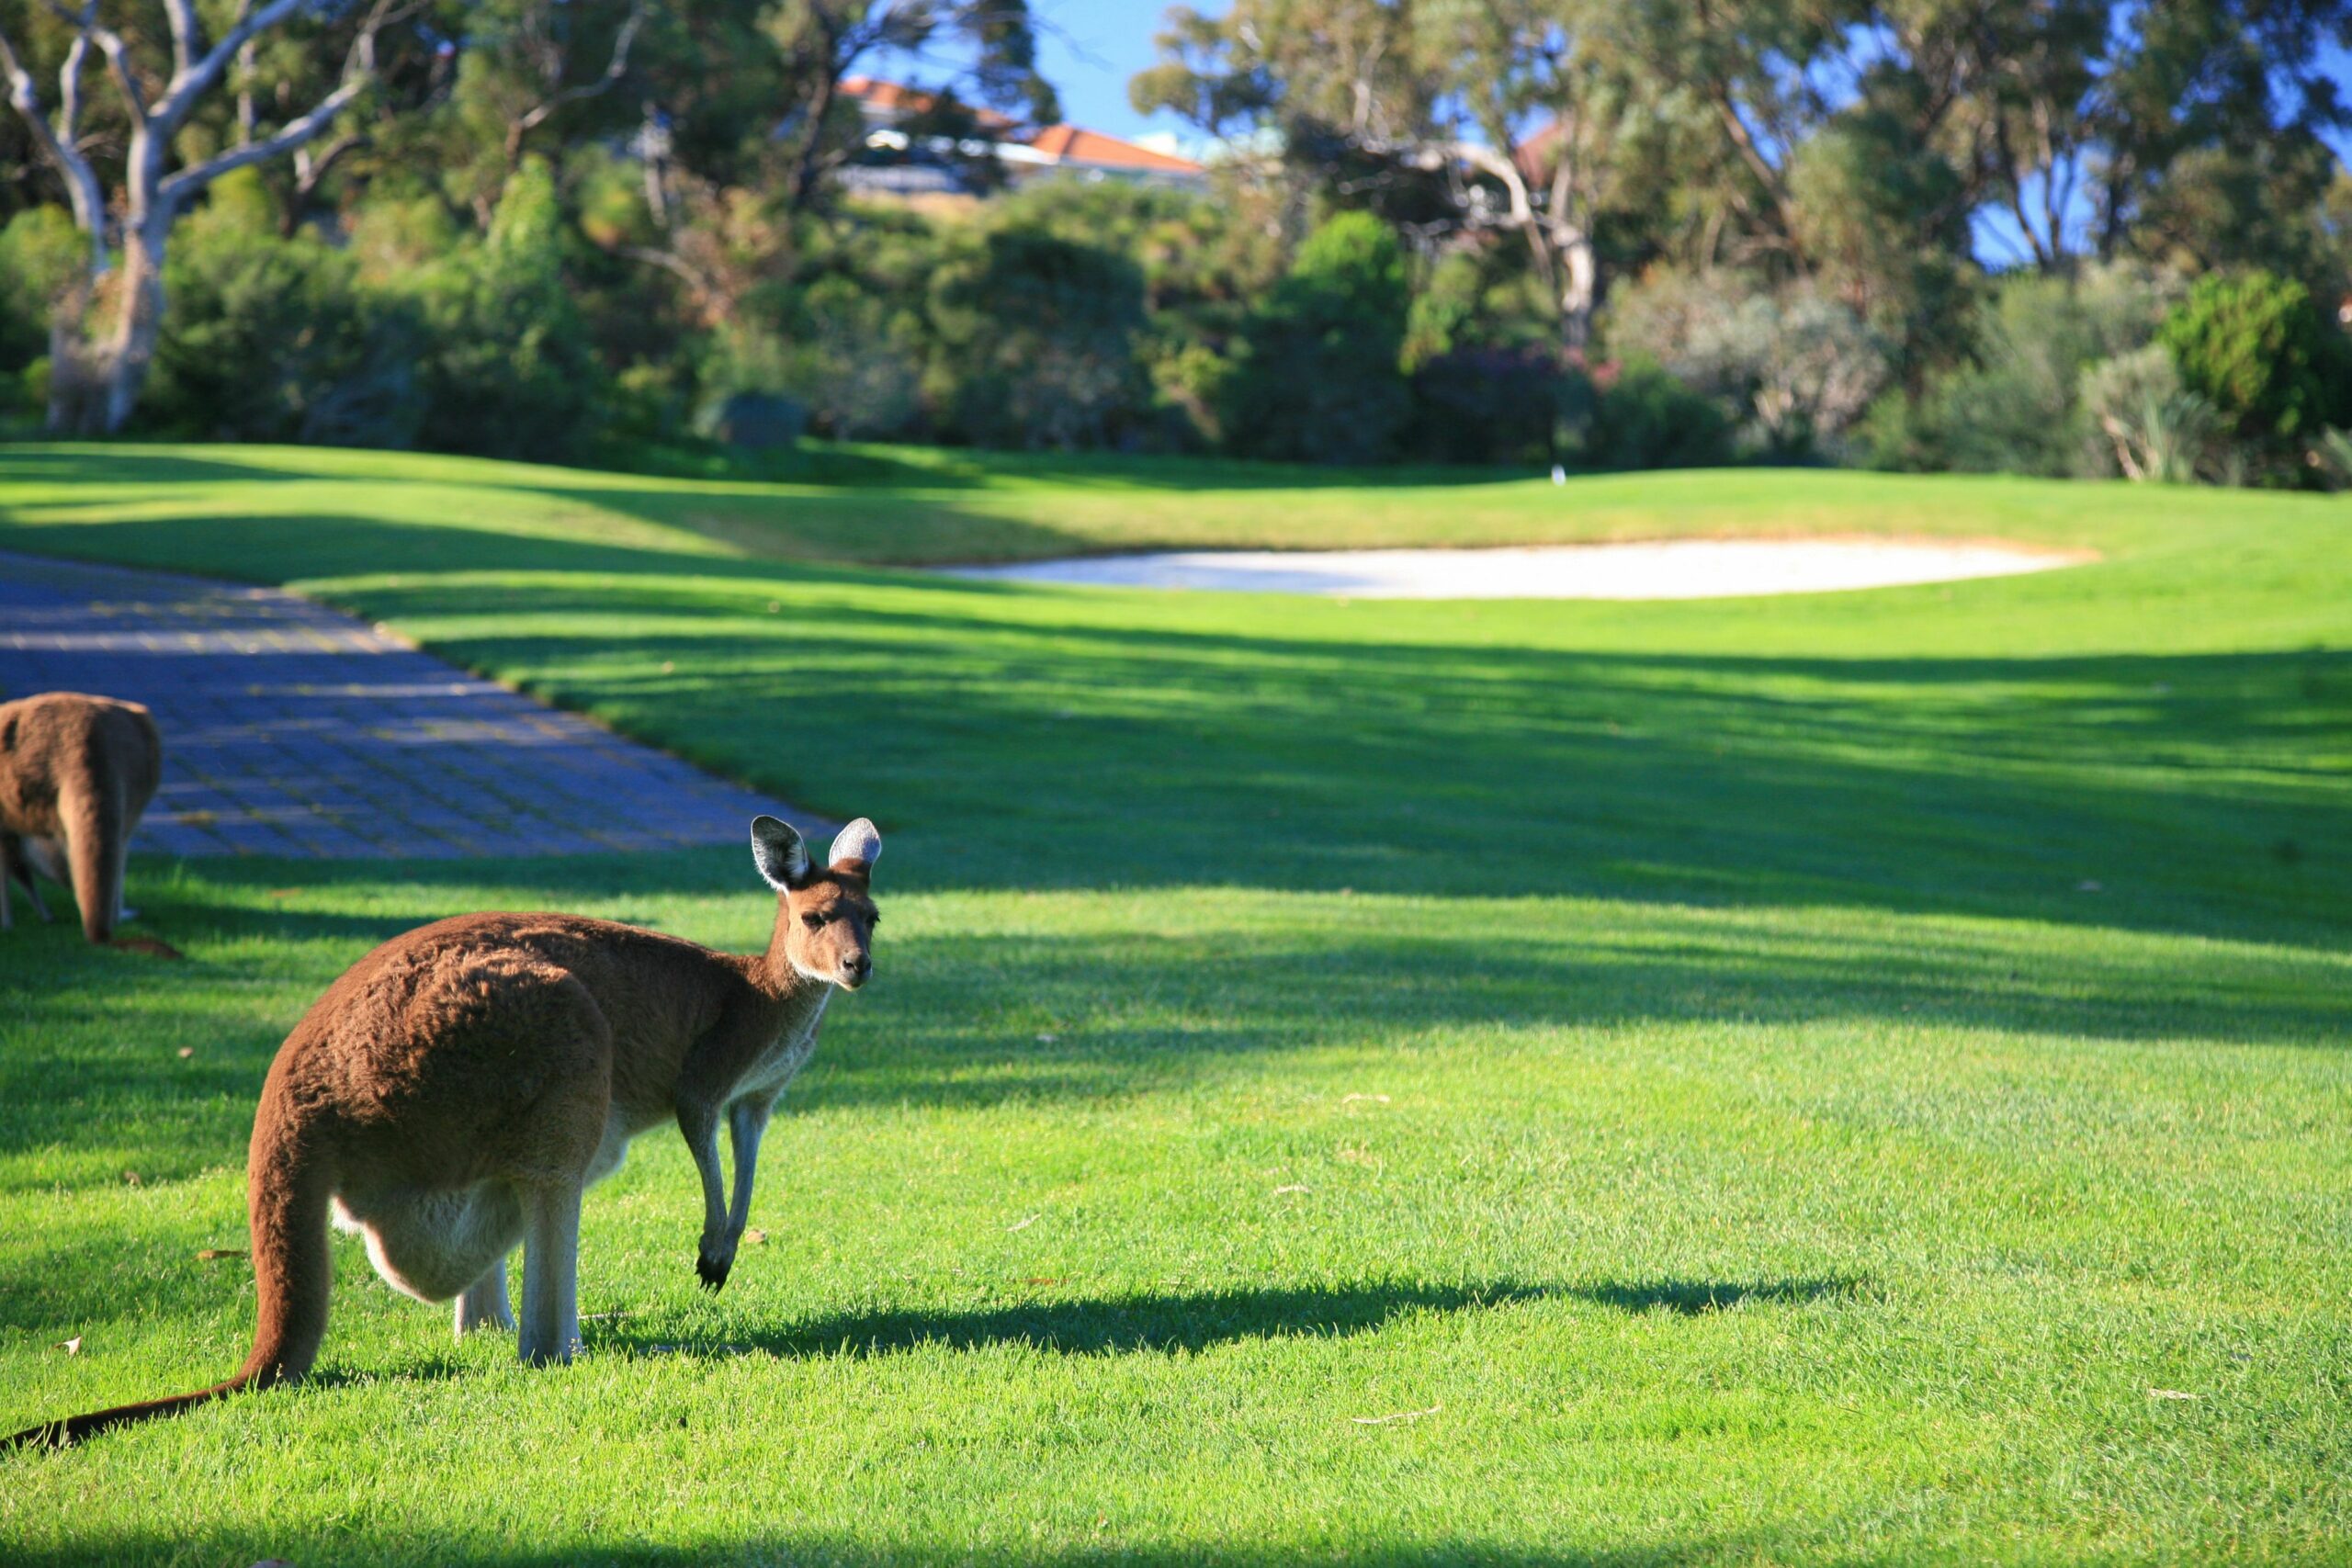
(1545, 231)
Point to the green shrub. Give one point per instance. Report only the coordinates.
(2016, 409)
(1318, 377)
(2149, 426)
(2256, 347)
(1489, 405)
(276, 340)
(1645, 418)
(507, 371)
(41, 252)
(1798, 368)
(1036, 339)
(2013, 406)
(850, 357)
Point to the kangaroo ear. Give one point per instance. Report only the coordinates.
(859, 845)
(779, 851)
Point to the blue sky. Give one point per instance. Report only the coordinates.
(1091, 49)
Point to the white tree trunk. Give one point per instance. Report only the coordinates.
(139, 321)
(1579, 278)
(74, 385)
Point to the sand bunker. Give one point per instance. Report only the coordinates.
(1674, 568)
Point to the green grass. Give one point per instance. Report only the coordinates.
(1774, 1081)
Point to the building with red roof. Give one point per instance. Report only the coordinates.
(905, 164)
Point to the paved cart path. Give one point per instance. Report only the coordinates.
(290, 729)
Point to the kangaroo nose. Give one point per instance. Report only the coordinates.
(858, 967)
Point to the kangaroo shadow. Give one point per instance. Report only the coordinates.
(1101, 1325)
(1695, 1298)
(1192, 1321)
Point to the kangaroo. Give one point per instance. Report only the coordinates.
(455, 1091)
(76, 772)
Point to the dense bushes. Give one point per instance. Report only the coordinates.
(1036, 340)
(508, 369)
(1067, 317)
(280, 342)
(1319, 376)
(1492, 405)
(38, 253)
(1014, 330)
(1794, 368)
(2121, 370)
(2257, 349)
(480, 349)
(2148, 424)
(2013, 407)
(1644, 418)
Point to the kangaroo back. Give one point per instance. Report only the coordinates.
(288, 1186)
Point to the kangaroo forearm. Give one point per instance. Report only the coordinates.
(745, 1123)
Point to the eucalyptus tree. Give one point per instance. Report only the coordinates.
(983, 52)
(1456, 118)
(134, 156)
(744, 122)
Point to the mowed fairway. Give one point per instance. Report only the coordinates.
(1851, 1078)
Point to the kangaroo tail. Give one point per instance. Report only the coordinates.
(287, 1195)
(97, 838)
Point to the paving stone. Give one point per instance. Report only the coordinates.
(290, 729)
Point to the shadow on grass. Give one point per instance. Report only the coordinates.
(1195, 1321)
(809, 462)
(1107, 1326)
(1694, 1298)
(1102, 1007)
(2189, 791)
(1123, 1325)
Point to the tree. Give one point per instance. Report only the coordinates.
(2084, 120)
(532, 72)
(106, 321)
(823, 41)
(1457, 119)
(743, 122)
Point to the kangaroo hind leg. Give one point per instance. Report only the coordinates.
(20, 862)
(551, 1325)
(483, 1303)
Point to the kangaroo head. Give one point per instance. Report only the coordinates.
(825, 918)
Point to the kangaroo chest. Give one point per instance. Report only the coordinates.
(795, 1043)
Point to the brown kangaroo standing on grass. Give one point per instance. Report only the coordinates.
(76, 772)
(459, 1089)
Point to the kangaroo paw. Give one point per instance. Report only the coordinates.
(713, 1269)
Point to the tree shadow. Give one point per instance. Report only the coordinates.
(855, 465)
(2183, 790)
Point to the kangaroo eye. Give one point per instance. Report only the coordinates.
(812, 922)
(875, 919)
